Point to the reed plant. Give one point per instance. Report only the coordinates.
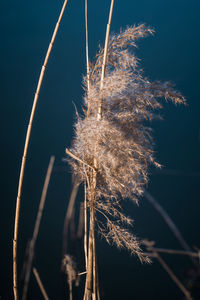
(112, 147)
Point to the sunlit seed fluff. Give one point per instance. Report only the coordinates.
(69, 268)
(121, 142)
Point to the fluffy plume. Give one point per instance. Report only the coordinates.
(69, 268)
(121, 141)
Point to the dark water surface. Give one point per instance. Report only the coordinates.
(172, 53)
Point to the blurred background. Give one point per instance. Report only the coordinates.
(171, 54)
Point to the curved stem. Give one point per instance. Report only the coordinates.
(23, 163)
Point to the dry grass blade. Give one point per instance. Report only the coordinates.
(28, 134)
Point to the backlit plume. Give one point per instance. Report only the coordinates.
(121, 140)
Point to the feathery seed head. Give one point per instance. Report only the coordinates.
(120, 142)
(69, 268)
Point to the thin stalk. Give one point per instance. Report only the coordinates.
(77, 158)
(94, 270)
(89, 276)
(36, 228)
(173, 276)
(105, 56)
(23, 163)
(87, 55)
(43, 198)
(82, 273)
(40, 284)
(72, 225)
(88, 112)
(85, 225)
(69, 214)
(168, 220)
(81, 221)
(91, 273)
(25, 261)
(172, 172)
(70, 291)
(176, 252)
(98, 291)
(106, 44)
(171, 224)
(86, 48)
(97, 274)
(87, 250)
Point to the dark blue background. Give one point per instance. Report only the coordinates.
(171, 54)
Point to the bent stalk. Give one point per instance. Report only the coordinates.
(28, 134)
